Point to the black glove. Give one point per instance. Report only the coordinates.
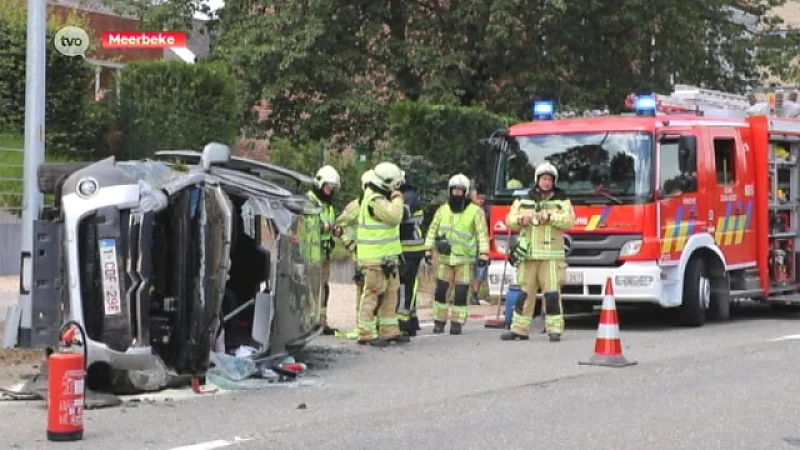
(482, 263)
(359, 276)
(443, 246)
(428, 259)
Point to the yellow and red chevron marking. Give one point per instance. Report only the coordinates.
(677, 231)
(730, 228)
(598, 220)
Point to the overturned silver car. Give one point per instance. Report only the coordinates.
(161, 261)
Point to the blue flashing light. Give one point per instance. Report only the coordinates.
(543, 109)
(645, 105)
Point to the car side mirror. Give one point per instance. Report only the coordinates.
(689, 183)
(687, 154)
(214, 153)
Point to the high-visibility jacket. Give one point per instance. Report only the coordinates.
(465, 231)
(308, 231)
(545, 240)
(349, 221)
(375, 240)
(327, 217)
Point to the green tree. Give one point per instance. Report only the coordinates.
(169, 105)
(615, 48)
(74, 123)
(169, 15)
(308, 157)
(329, 68)
(434, 142)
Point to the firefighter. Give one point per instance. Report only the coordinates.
(413, 242)
(348, 221)
(540, 254)
(326, 182)
(458, 232)
(378, 251)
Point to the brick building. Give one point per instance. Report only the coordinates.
(108, 62)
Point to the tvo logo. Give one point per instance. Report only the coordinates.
(72, 41)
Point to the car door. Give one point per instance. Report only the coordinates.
(727, 193)
(677, 205)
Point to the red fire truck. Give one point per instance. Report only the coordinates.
(690, 202)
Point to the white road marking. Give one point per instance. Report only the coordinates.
(790, 337)
(210, 445)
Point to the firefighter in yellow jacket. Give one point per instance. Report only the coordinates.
(348, 221)
(378, 251)
(540, 254)
(326, 182)
(458, 232)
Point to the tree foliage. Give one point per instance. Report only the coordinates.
(331, 68)
(74, 124)
(434, 142)
(171, 15)
(308, 157)
(169, 105)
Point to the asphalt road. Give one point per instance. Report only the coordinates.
(723, 386)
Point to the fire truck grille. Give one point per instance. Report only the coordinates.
(597, 250)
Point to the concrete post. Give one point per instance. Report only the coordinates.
(34, 153)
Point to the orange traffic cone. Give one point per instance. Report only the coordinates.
(608, 345)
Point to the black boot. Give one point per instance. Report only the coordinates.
(415, 323)
(455, 328)
(380, 342)
(329, 331)
(404, 326)
(400, 339)
(555, 337)
(410, 330)
(438, 327)
(511, 336)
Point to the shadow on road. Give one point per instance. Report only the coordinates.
(657, 319)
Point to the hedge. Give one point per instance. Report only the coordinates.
(172, 105)
(73, 122)
(434, 142)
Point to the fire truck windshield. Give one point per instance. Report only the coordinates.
(606, 167)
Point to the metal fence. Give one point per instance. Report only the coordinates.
(11, 162)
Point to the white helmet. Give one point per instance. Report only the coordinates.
(459, 181)
(327, 175)
(387, 176)
(366, 178)
(546, 169)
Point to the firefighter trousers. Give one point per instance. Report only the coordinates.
(326, 292)
(546, 276)
(407, 293)
(459, 276)
(377, 285)
(358, 279)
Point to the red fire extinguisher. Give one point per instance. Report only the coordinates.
(66, 376)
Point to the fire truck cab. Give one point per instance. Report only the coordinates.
(690, 202)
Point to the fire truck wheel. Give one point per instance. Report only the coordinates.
(696, 293)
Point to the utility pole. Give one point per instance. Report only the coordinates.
(34, 154)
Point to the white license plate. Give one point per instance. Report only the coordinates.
(110, 271)
(574, 278)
